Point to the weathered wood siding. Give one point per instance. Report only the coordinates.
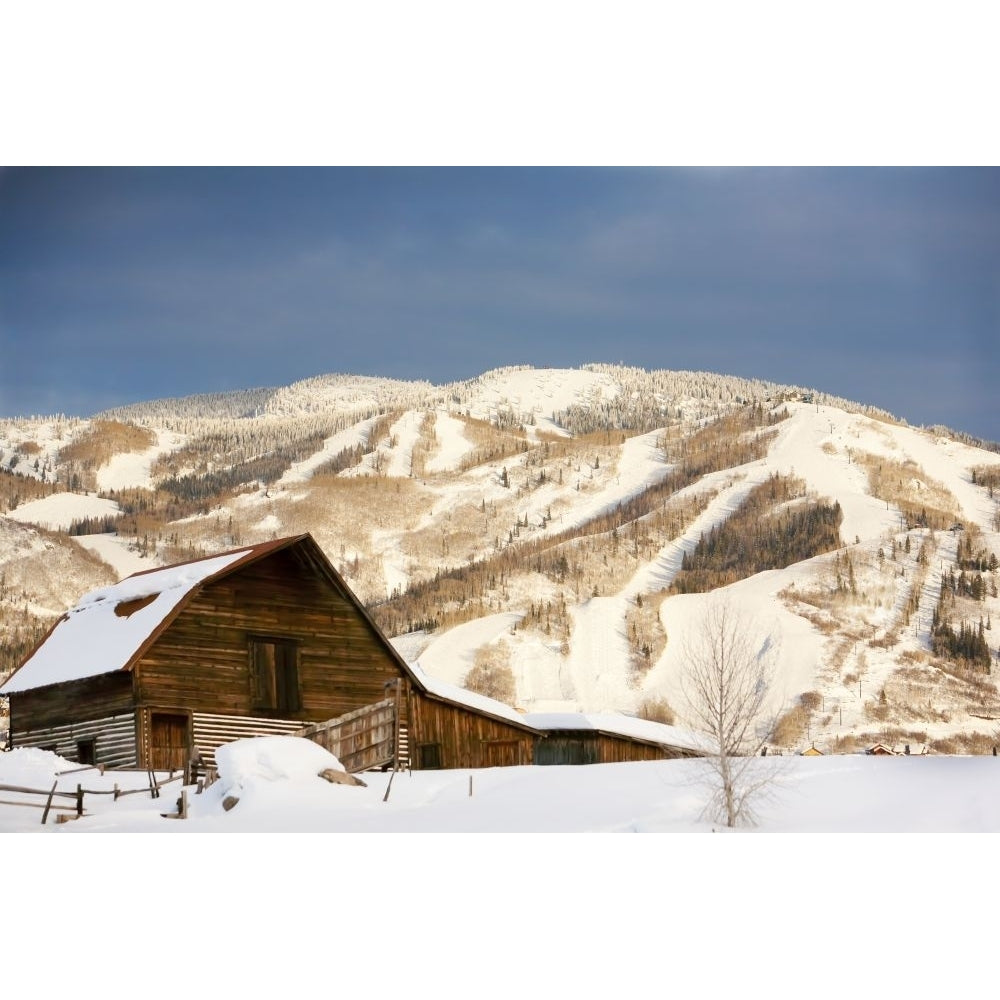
(114, 739)
(82, 700)
(465, 738)
(201, 662)
(589, 747)
(563, 748)
(362, 739)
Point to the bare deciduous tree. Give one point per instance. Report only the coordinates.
(728, 673)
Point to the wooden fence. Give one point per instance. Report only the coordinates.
(360, 740)
(75, 809)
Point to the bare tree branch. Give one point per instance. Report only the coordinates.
(728, 673)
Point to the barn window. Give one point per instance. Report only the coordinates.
(274, 674)
(86, 751)
(430, 756)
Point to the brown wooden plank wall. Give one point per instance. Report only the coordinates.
(201, 661)
(81, 700)
(464, 735)
(614, 750)
(586, 746)
(362, 739)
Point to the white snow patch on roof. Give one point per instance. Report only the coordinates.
(91, 639)
(462, 696)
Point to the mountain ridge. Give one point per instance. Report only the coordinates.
(542, 521)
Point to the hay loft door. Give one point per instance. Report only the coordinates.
(168, 741)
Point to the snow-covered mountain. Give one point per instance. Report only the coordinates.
(557, 534)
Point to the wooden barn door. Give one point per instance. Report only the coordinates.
(168, 741)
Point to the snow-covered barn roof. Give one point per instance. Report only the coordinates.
(109, 627)
(468, 699)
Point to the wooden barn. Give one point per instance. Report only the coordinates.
(171, 663)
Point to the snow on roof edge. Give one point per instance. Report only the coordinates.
(616, 724)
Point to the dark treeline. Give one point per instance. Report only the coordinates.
(725, 443)
(351, 456)
(967, 646)
(17, 488)
(988, 476)
(194, 486)
(979, 558)
(965, 585)
(757, 538)
(102, 525)
(18, 640)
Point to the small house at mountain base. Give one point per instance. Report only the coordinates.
(171, 663)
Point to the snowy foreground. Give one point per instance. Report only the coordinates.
(540, 913)
(277, 783)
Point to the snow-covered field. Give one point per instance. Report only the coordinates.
(579, 915)
(275, 780)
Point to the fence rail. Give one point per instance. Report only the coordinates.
(360, 740)
(79, 794)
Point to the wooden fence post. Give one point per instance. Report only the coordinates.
(48, 803)
(79, 801)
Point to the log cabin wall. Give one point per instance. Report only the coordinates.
(81, 700)
(209, 732)
(102, 713)
(111, 741)
(450, 736)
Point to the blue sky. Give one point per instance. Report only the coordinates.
(881, 285)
